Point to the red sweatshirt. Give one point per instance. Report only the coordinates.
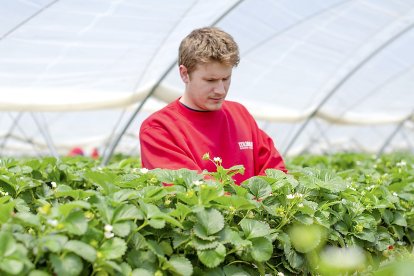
(177, 137)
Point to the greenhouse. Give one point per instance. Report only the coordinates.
(330, 81)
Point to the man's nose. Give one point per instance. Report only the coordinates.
(220, 87)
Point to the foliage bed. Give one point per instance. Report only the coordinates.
(347, 213)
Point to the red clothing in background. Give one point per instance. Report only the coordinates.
(177, 137)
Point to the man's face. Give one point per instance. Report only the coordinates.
(206, 87)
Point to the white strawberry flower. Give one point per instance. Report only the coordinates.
(197, 182)
(53, 183)
(108, 228)
(290, 196)
(52, 222)
(143, 170)
(109, 235)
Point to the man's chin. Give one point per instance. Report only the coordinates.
(214, 107)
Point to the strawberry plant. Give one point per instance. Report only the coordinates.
(330, 215)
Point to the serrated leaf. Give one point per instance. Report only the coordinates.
(156, 248)
(53, 243)
(262, 249)
(181, 211)
(6, 210)
(233, 270)
(212, 257)
(127, 212)
(11, 266)
(113, 248)
(38, 273)
(142, 272)
(239, 203)
(200, 244)
(122, 229)
(125, 194)
(81, 249)
(28, 219)
(366, 234)
(76, 223)
(66, 265)
(399, 219)
(209, 193)
(157, 223)
(104, 180)
(201, 233)
(254, 229)
(211, 220)
(181, 265)
(258, 187)
(7, 244)
(66, 208)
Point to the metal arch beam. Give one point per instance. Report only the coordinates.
(305, 19)
(394, 133)
(397, 29)
(117, 139)
(27, 20)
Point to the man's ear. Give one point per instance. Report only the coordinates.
(184, 73)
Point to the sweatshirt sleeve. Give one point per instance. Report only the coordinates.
(160, 150)
(268, 157)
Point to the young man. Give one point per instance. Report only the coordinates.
(202, 121)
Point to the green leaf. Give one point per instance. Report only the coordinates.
(76, 223)
(181, 265)
(209, 193)
(239, 203)
(7, 244)
(399, 219)
(66, 265)
(181, 211)
(295, 260)
(66, 208)
(157, 223)
(306, 238)
(113, 248)
(125, 194)
(38, 273)
(156, 248)
(233, 270)
(262, 249)
(366, 234)
(122, 229)
(82, 249)
(11, 266)
(142, 272)
(103, 180)
(28, 219)
(212, 257)
(254, 229)
(6, 210)
(211, 220)
(127, 212)
(53, 243)
(200, 244)
(259, 187)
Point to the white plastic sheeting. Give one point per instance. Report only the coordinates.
(319, 75)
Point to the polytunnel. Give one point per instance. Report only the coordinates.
(320, 76)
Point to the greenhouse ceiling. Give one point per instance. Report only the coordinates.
(320, 76)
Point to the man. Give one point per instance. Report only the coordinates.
(202, 121)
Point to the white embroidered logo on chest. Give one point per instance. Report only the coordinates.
(246, 145)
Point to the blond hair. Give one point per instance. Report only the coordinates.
(206, 45)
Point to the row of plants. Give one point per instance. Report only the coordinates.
(340, 214)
